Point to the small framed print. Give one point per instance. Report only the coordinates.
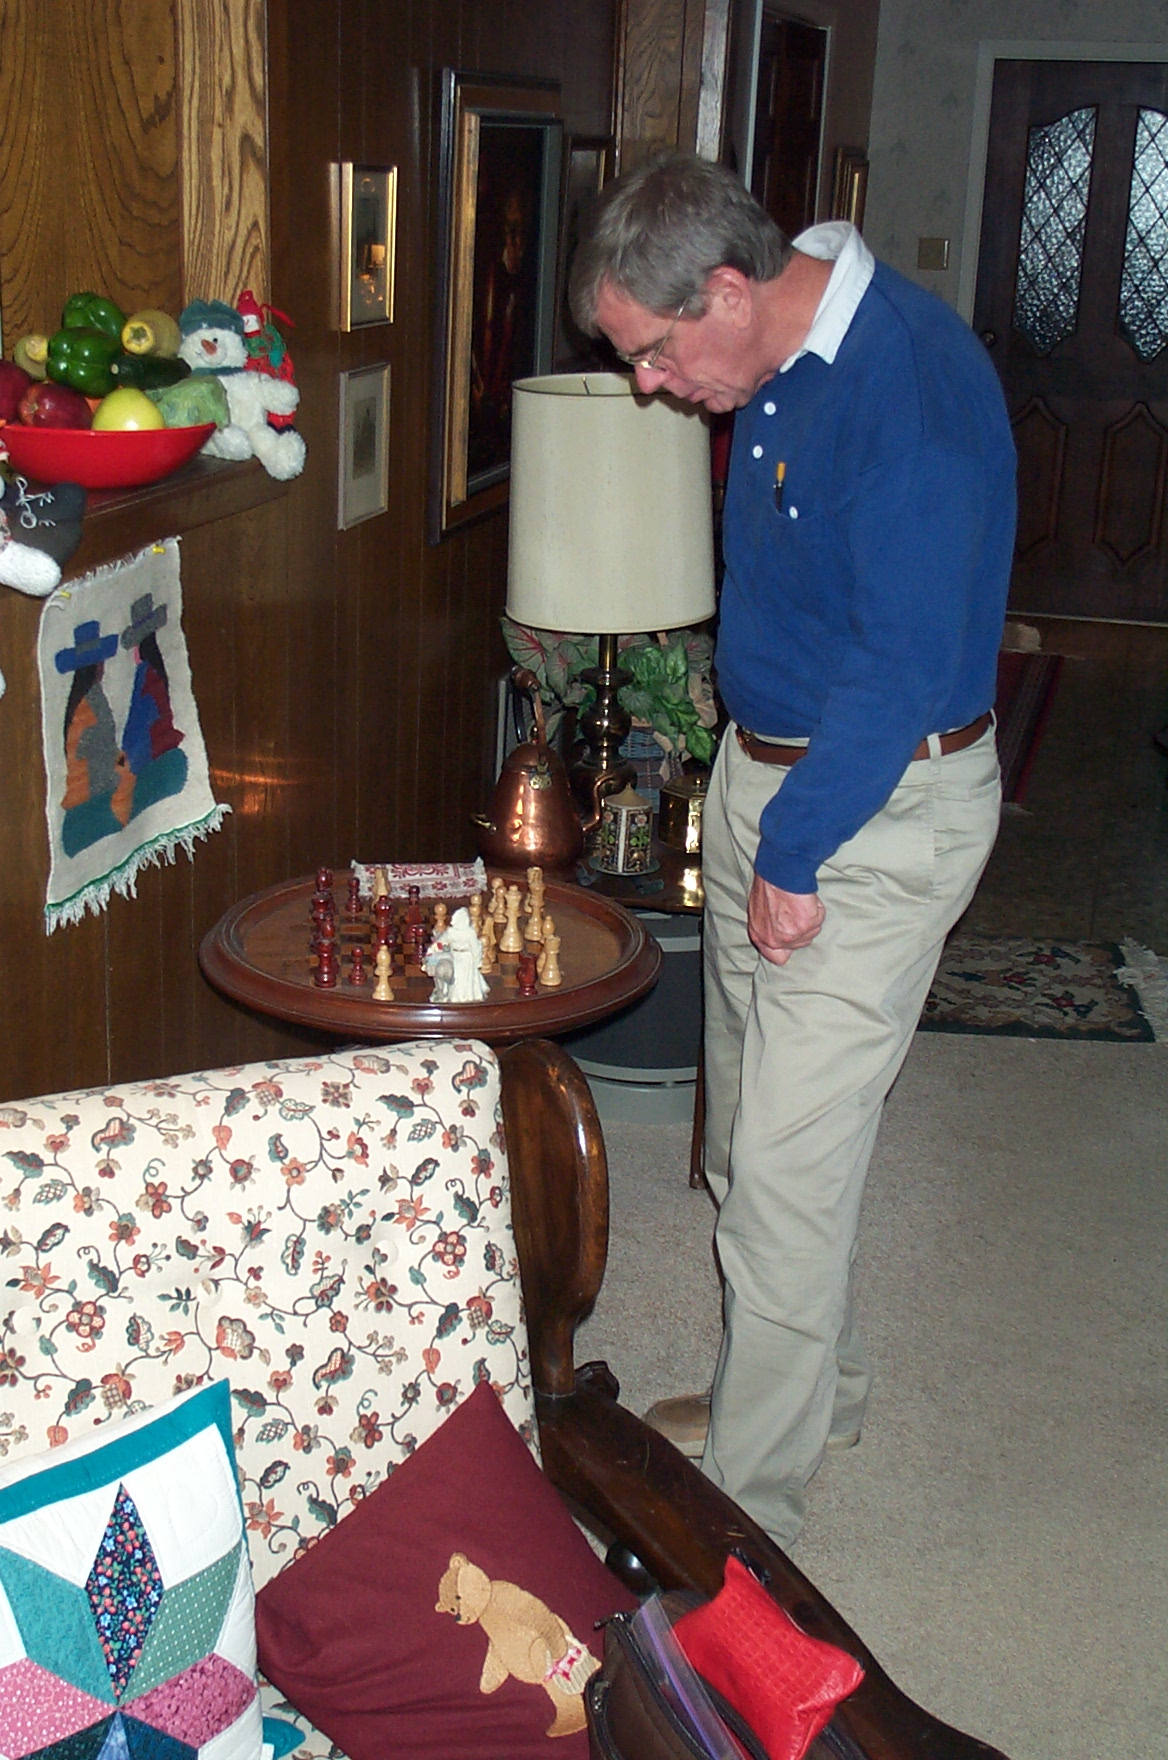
(363, 488)
(368, 205)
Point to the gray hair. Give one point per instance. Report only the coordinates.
(657, 234)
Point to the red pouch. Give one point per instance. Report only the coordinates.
(785, 1684)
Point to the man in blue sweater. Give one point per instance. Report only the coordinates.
(868, 535)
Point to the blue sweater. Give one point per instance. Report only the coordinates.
(868, 612)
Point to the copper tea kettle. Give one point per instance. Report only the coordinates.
(533, 820)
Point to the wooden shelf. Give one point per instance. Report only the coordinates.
(120, 521)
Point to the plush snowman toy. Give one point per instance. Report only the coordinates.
(212, 344)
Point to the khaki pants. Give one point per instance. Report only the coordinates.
(799, 1059)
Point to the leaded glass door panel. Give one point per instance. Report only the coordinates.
(1072, 303)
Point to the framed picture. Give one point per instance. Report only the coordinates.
(500, 151)
(849, 185)
(363, 486)
(368, 215)
(588, 165)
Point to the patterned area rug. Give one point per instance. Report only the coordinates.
(1027, 989)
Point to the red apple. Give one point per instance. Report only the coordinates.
(14, 382)
(48, 405)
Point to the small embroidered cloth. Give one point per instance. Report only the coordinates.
(125, 765)
(432, 879)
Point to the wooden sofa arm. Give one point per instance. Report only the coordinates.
(629, 1478)
(681, 1527)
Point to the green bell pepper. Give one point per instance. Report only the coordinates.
(92, 311)
(81, 358)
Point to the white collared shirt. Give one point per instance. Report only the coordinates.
(854, 266)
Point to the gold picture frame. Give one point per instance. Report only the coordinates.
(368, 227)
(849, 187)
(363, 445)
(500, 151)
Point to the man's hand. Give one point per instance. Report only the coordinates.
(778, 922)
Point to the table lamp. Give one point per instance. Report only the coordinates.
(611, 530)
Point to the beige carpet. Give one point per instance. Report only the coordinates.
(999, 1538)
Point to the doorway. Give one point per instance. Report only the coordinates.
(788, 129)
(1072, 303)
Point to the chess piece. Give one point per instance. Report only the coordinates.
(475, 910)
(461, 946)
(414, 908)
(533, 928)
(383, 989)
(548, 927)
(380, 884)
(511, 941)
(498, 906)
(324, 881)
(548, 964)
(357, 965)
(441, 917)
(417, 933)
(526, 974)
(354, 905)
(326, 957)
(487, 938)
(382, 921)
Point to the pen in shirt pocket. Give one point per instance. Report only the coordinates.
(780, 476)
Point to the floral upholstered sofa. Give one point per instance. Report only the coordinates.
(331, 1235)
(341, 1240)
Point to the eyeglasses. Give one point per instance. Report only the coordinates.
(647, 360)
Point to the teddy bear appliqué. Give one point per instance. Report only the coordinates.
(524, 1638)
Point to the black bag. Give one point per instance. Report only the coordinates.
(630, 1719)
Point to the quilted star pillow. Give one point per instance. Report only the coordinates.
(127, 1626)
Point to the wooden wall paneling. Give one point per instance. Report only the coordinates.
(305, 85)
(650, 70)
(89, 190)
(223, 148)
(53, 986)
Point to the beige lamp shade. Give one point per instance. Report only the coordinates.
(611, 529)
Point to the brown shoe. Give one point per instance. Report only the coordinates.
(685, 1419)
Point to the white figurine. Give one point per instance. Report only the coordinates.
(458, 949)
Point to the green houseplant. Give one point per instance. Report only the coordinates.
(671, 692)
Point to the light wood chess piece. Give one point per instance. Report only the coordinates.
(535, 893)
(511, 941)
(475, 907)
(487, 936)
(441, 917)
(380, 884)
(383, 989)
(498, 905)
(548, 963)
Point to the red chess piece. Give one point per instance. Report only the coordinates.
(354, 895)
(418, 937)
(357, 965)
(324, 880)
(525, 974)
(382, 924)
(414, 908)
(326, 960)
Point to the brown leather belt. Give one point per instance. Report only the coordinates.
(764, 752)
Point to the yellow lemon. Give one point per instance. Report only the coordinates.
(127, 407)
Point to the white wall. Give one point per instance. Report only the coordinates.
(927, 111)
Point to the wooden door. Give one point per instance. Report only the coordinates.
(788, 121)
(1072, 303)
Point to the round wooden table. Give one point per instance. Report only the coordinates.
(258, 954)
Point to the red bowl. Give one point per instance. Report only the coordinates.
(123, 458)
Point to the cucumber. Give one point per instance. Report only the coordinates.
(148, 372)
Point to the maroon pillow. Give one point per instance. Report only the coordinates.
(451, 1614)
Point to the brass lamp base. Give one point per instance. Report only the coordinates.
(605, 727)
